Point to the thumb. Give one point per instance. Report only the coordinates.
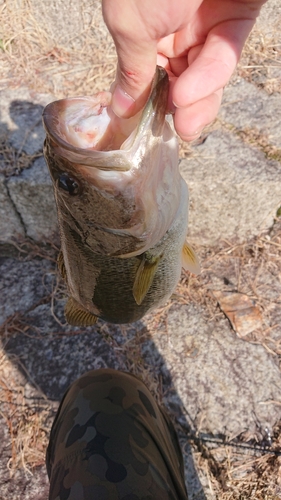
(135, 72)
(137, 56)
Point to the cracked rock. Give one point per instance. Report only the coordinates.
(23, 284)
(225, 384)
(245, 106)
(234, 190)
(11, 226)
(57, 360)
(33, 197)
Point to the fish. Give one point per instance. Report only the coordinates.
(122, 205)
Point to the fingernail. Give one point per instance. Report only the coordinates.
(122, 103)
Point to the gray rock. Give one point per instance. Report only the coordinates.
(11, 226)
(33, 197)
(29, 134)
(23, 284)
(269, 15)
(56, 356)
(21, 118)
(197, 485)
(234, 190)
(226, 385)
(28, 207)
(246, 106)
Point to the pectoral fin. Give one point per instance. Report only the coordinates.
(190, 260)
(75, 315)
(61, 266)
(144, 277)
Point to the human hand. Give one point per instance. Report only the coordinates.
(199, 42)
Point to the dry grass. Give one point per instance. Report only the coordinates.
(240, 476)
(13, 161)
(31, 57)
(26, 419)
(261, 58)
(252, 137)
(27, 249)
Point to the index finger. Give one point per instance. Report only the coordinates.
(213, 67)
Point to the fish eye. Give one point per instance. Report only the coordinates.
(68, 184)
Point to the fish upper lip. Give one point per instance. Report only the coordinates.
(51, 117)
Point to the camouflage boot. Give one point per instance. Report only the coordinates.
(110, 440)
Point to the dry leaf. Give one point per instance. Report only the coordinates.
(244, 315)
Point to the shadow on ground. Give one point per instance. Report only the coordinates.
(50, 355)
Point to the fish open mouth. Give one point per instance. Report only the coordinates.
(88, 123)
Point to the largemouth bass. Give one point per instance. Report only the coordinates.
(122, 205)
